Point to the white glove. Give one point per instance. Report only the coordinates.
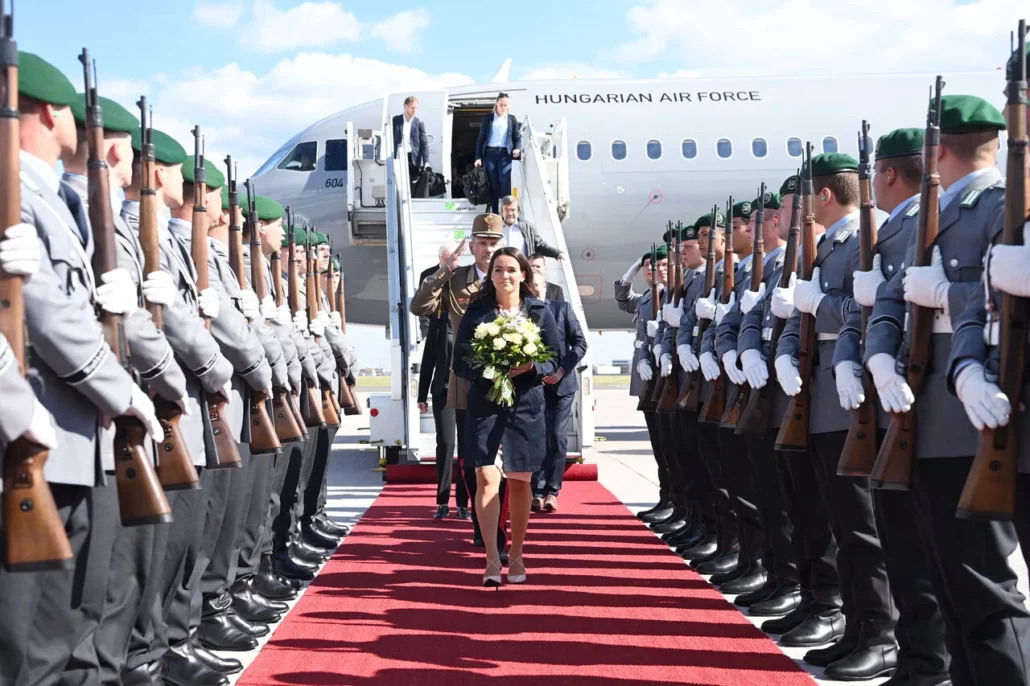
(652, 329)
(729, 365)
(317, 326)
(705, 307)
(672, 313)
(656, 353)
(865, 284)
(849, 385)
(268, 308)
(1009, 268)
(927, 286)
(19, 250)
(336, 319)
(644, 370)
(184, 405)
(226, 391)
(688, 360)
(208, 301)
(142, 408)
(251, 306)
(986, 405)
(751, 298)
(118, 294)
(783, 299)
(159, 289)
(300, 320)
(721, 309)
(632, 272)
(755, 368)
(709, 367)
(637, 345)
(787, 374)
(895, 395)
(666, 365)
(808, 294)
(282, 313)
(41, 427)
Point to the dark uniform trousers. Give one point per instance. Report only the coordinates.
(468, 473)
(291, 503)
(779, 557)
(700, 492)
(668, 443)
(548, 480)
(654, 435)
(41, 611)
(729, 525)
(739, 483)
(278, 482)
(255, 515)
(443, 418)
(315, 486)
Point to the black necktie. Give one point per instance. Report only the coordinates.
(74, 203)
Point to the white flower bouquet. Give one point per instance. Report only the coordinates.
(500, 346)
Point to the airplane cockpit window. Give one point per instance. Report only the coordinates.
(336, 155)
(301, 158)
(273, 161)
(830, 144)
(654, 149)
(583, 150)
(724, 148)
(794, 147)
(689, 148)
(759, 147)
(619, 150)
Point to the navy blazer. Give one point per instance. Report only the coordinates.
(484, 134)
(419, 142)
(572, 347)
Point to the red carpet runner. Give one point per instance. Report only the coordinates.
(606, 603)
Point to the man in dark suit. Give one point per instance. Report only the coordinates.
(500, 142)
(521, 234)
(409, 136)
(549, 291)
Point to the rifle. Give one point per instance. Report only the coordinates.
(263, 438)
(859, 452)
(715, 405)
(34, 536)
(275, 265)
(646, 403)
(671, 386)
(346, 396)
(660, 381)
(340, 303)
(754, 418)
(894, 462)
(990, 489)
(287, 428)
(690, 395)
(141, 500)
(227, 453)
(313, 416)
(793, 434)
(738, 398)
(174, 463)
(329, 407)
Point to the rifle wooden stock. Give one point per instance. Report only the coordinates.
(690, 393)
(990, 489)
(140, 497)
(896, 458)
(314, 415)
(327, 399)
(646, 402)
(859, 453)
(263, 437)
(715, 405)
(299, 416)
(293, 397)
(671, 388)
(175, 467)
(346, 398)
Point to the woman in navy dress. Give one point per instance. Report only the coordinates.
(504, 441)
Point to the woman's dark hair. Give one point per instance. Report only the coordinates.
(501, 95)
(527, 289)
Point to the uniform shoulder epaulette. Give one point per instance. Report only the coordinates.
(29, 183)
(845, 234)
(971, 198)
(913, 210)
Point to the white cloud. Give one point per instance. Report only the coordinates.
(570, 70)
(680, 74)
(806, 36)
(306, 26)
(221, 15)
(401, 31)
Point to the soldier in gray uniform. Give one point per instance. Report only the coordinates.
(922, 656)
(814, 550)
(974, 585)
(868, 647)
(77, 378)
(23, 414)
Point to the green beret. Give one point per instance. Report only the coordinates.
(336, 265)
(669, 235)
(299, 236)
(743, 209)
(789, 186)
(319, 238)
(40, 80)
(833, 163)
(268, 210)
(772, 201)
(1010, 66)
(166, 149)
(900, 143)
(241, 199)
(116, 117)
(689, 233)
(706, 220)
(662, 253)
(969, 114)
(213, 178)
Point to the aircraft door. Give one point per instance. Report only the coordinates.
(559, 168)
(352, 155)
(432, 112)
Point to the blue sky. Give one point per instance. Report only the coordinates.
(253, 73)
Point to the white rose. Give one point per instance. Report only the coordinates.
(493, 329)
(530, 349)
(499, 344)
(481, 331)
(515, 338)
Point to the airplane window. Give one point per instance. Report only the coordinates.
(724, 148)
(654, 149)
(794, 147)
(301, 158)
(273, 161)
(759, 148)
(583, 150)
(689, 149)
(619, 150)
(336, 155)
(829, 144)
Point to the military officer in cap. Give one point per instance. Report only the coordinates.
(867, 647)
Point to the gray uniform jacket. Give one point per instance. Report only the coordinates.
(641, 343)
(756, 332)
(309, 354)
(19, 400)
(965, 227)
(690, 325)
(837, 259)
(693, 282)
(74, 372)
(729, 328)
(626, 298)
(284, 336)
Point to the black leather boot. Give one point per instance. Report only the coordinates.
(269, 584)
(816, 630)
(253, 607)
(219, 664)
(723, 563)
(788, 622)
(864, 662)
(757, 596)
(148, 674)
(182, 667)
(322, 522)
(254, 629)
(217, 632)
(290, 567)
(318, 539)
(781, 602)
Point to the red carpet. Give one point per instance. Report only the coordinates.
(606, 603)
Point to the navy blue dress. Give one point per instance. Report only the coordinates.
(522, 428)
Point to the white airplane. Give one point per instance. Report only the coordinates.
(630, 155)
